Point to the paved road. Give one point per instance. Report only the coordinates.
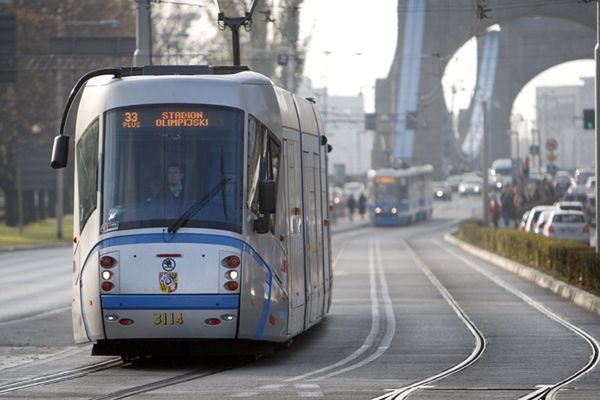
(407, 307)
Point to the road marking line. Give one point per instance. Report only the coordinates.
(271, 387)
(390, 326)
(368, 342)
(306, 386)
(339, 255)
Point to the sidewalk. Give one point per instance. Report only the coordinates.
(343, 224)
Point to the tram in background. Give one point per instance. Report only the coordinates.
(201, 211)
(400, 196)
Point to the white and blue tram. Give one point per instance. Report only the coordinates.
(400, 196)
(201, 210)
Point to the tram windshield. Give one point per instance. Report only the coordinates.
(160, 160)
(390, 192)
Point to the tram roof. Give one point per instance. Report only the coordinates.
(245, 90)
(404, 172)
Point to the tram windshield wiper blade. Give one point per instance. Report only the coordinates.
(197, 206)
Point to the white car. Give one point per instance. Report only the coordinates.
(542, 220)
(533, 216)
(570, 205)
(570, 225)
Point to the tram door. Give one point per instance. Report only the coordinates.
(291, 153)
(312, 236)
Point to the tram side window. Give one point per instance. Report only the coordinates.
(264, 154)
(87, 172)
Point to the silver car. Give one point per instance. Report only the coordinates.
(567, 224)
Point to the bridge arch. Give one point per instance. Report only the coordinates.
(448, 25)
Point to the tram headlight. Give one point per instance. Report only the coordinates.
(232, 285)
(232, 275)
(394, 210)
(377, 210)
(106, 275)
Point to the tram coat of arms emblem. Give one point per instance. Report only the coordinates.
(167, 281)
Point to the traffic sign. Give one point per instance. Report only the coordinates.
(551, 157)
(551, 169)
(534, 149)
(551, 144)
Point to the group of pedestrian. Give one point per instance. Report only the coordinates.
(504, 205)
(352, 204)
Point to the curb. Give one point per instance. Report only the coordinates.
(36, 247)
(577, 296)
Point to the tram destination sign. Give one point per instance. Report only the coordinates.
(164, 119)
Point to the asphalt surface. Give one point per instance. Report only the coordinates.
(403, 299)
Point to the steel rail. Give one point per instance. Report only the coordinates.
(548, 392)
(60, 376)
(478, 349)
(162, 383)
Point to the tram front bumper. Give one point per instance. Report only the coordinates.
(170, 316)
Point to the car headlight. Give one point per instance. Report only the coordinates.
(476, 189)
(439, 193)
(461, 188)
(499, 185)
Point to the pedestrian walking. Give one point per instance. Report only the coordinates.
(495, 208)
(507, 206)
(351, 204)
(362, 205)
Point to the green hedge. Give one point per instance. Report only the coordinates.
(569, 261)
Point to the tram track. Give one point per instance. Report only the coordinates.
(478, 349)
(546, 392)
(166, 382)
(60, 376)
(382, 329)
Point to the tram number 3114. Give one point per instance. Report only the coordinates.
(168, 318)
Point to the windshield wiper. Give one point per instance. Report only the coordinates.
(197, 206)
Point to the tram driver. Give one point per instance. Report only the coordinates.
(172, 194)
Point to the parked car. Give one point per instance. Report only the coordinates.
(568, 224)
(581, 176)
(570, 205)
(533, 216)
(471, 186)
(442, 191)
(562, 182)
(523, 221)
(538, 227)
(590, 185)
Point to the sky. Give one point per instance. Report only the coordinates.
(361, 41)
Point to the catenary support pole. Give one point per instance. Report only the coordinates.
(143, 52)
(484, 167)
(597, 122)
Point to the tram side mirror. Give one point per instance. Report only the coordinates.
(267, 197)
(60, 152)
(329, 148)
